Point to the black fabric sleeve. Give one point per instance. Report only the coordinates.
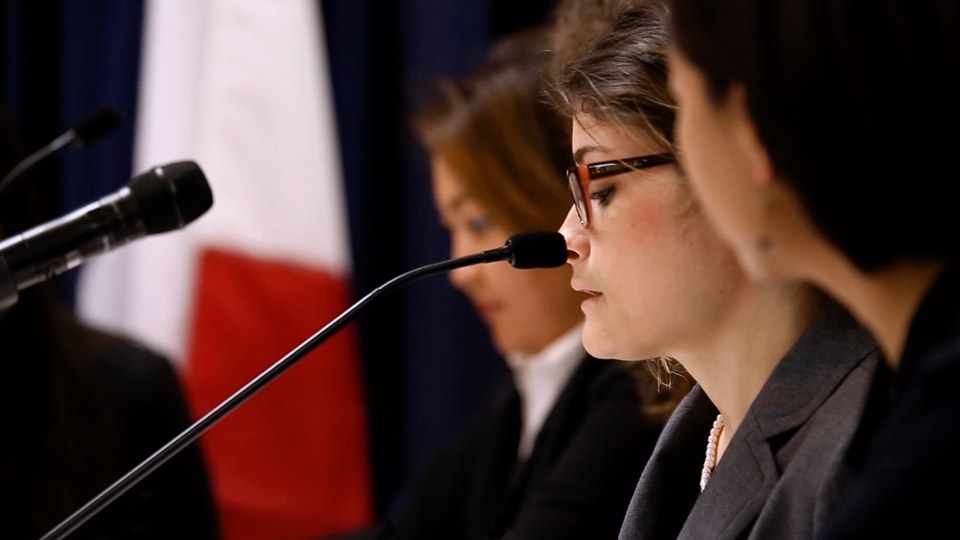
(174, 501)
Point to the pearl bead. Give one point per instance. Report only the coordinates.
(710, 461)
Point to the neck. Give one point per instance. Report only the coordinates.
(884, 301)
(567, 333)
(734, 362)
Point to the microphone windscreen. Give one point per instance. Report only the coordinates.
(96, 125)
(171, 196)
(540, 249)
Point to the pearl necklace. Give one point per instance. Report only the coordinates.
(710, 461)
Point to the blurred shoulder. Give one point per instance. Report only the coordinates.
(129, 372)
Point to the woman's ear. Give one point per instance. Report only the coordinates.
(746, 138)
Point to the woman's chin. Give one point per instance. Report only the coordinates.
(598, 346)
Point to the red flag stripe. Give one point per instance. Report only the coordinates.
(292, 462)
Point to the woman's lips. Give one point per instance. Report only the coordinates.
(585, 290)
(591, 295)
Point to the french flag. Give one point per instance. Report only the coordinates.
(241, 87)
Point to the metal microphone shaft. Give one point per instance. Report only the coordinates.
(199, 427)
(55, 146)
(87, 130)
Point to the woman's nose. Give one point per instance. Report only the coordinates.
(575, 235)
(461, 277)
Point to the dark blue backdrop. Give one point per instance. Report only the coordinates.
(427, 359)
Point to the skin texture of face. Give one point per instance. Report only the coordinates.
(525, 310)
(728, 168)
(746, 201)
(659, 279)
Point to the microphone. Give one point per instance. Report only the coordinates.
(87, 130)
(159, 200)
(525, 250)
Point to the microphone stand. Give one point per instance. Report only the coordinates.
(86, 130)
(198, 428)
(59, 143)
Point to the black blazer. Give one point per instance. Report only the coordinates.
(784, 470)
(907, 449)
(145, 408)
(176, 500)
(575, 485)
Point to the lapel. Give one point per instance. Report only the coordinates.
(749, 470)
(569, 408)
(669, 485)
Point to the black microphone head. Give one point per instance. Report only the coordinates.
(540, 249)
(170, 196)
(95, 125)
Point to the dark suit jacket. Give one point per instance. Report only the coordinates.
(145, 407)
(907, 450)
(174, 501)
(783, 471)
(575, 485)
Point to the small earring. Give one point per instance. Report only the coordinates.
(764, 242)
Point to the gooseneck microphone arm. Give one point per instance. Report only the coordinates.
(53, 147)
(527, 250)
(88, 129)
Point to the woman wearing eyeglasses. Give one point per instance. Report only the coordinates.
(755, 449)
(556, 453)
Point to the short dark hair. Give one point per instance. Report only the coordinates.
(848, 98)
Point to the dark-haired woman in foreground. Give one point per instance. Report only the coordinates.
(818, 134)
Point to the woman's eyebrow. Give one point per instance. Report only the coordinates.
(584, 150)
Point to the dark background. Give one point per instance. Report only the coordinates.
(427, 359)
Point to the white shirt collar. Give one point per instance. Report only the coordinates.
(540, 378)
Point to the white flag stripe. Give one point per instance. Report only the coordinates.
(170, 72)
(241, 87)
(268, 135)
